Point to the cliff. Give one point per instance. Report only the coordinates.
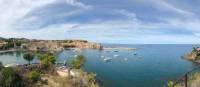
(58, 45)
(194, 55)
(81, 44)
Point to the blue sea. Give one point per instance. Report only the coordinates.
(153, 66)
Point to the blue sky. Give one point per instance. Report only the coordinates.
(105, 21)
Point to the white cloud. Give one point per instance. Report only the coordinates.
(131, 15)
(78, 4)
(13, 10)
(128, 29)
(164, 5)
(190, 24)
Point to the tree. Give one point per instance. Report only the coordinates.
(28, 57)
(1, 66)
(78, 62)
(46, 60)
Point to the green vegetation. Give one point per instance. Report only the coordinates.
(9, 78)
(194, 55)
(78, 62)
(11, 43)
(40, 75)
(35, 76)
(194, 49)
(193, 81)
(1, 66)
(88, 78)
(46, 60)
(28, 57)
(170, 84)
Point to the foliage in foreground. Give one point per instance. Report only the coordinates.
(35, 76)
(193, 81)
(78, 62)
(23, 76)
(46, 60)
(9, 78)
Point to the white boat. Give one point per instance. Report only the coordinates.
(75, 55)
(102, 56)
(125, 59)
(115, 56)
(107, 59)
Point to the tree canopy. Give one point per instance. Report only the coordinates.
(78, 62)
(46, 59)
(28, 57)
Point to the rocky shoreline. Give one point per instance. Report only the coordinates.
(194, 56)
(46, 45)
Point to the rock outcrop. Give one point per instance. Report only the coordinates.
(81, 44)
(2, 43)
(194, 55)
(58, 45)
(42, 46)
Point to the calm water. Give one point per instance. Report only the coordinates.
(152, 67)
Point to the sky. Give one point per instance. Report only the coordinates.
(104, 21)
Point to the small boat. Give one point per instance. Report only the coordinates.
(115, 56)
(125, 59)
(107, 59)
(75, 55)
(102, 56)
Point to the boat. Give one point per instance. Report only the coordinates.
(115, 56)
(107, 59)
(102, 56)
(125, 59)
(75, 55)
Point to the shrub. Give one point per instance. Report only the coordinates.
(91, 77)
(78, 62)
(170, 84)
(35, 76)
(10, 78)
(46, 60)
(1, 66)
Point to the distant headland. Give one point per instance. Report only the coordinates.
(45, 45)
